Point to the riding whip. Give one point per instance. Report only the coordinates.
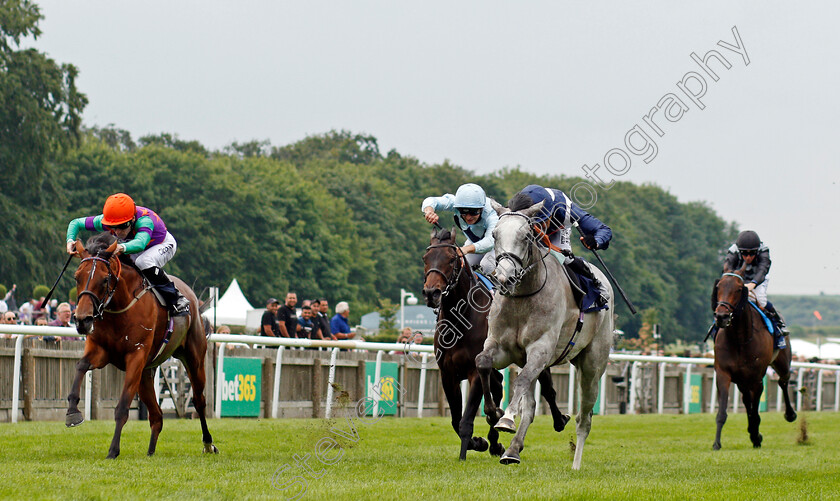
(49, 294)
(607, 271)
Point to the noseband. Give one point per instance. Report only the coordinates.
(98, 304)
(455, 275)
(520, 270)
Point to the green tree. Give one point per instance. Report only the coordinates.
(40, 116)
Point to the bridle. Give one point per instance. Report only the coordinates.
(99, 305)
(732, 309)
(455, 274)
(520, 270)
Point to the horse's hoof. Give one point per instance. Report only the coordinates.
(790, 417)
(208, 448)
(757, 442)
(506, 425)
(560, 422)
(716, 446)
(497, 449)
(479, 444)
(74, 419)
(510, 458)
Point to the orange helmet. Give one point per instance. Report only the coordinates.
(118, 209)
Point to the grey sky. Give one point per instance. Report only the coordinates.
(548, 86)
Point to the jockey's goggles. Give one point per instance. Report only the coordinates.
(749, 252)
(120, 226)
(469, 211)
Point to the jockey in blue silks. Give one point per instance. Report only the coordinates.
(475, 217)
(554, 223)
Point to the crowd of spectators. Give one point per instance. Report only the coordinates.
(312, 321)
(30, 312)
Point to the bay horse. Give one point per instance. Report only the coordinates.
(744, 348)
(532, 323)
(126, 326)
(460, 332)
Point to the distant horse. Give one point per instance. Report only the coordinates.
(460, 333)
(127, 327)
(532, 324)
(743, 350)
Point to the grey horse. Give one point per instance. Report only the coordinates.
(531, 324)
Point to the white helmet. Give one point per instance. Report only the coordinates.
(469, 196)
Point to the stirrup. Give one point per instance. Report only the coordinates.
(180, 307)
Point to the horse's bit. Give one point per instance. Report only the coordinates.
(98, 304)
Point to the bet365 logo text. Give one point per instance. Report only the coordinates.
(242, 388)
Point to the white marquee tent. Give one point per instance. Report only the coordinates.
(232, 308)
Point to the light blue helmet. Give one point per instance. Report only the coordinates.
(470, 196)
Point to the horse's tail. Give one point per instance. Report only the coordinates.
(208, 326)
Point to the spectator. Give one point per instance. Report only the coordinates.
(287, 316)
(318, 331)
(224, 329)
(405, 336)
(52, 308)
(339, 326)
(8, 302)
(63, 316)
(26, 312)
(9, 318)
(324, 317)
(269, 325)
(41, 322)
(304, 326)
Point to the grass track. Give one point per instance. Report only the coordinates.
(626, 457)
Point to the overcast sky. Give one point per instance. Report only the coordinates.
(547, 86)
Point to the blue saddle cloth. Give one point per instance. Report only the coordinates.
(770, 327)
(486, 281)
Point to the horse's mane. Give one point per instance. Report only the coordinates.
(520, 201)
(97, 244)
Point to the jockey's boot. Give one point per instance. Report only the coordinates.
(176, 303)
(777, 319)
(581, 267)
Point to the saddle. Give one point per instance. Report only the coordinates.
(168, 346)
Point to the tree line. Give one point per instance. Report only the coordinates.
(329, 215)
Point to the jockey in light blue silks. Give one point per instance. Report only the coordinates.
(555, 221)
(475, 217)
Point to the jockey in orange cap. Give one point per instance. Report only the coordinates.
(143, 236)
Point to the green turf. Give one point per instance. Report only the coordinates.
(626, 457)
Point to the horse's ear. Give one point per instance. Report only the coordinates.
(530, 211)
(113, 247)
(499, 208)
(726, 268)
(715, 295)
(743, 269)
(80, 249)
(452, 235)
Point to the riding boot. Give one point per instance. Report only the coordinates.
(176, 303)
(779, 321)
(581, 267)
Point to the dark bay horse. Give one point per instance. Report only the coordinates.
(460, 332)
(127, 327)
(743, 350)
